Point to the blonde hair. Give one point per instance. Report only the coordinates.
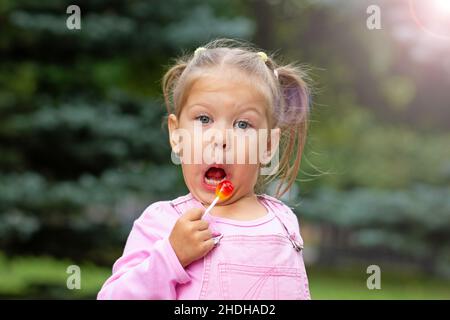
(283, 86)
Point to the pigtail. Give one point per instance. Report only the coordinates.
(169, 81)
(295, 95)
(291, 115)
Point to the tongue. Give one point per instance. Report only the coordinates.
(215, 173)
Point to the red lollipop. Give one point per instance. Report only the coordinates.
(223, 191)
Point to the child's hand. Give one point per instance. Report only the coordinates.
(190, 237)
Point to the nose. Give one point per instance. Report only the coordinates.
(222, 139)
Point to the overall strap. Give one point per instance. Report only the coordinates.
(184, 203)
(281, 212)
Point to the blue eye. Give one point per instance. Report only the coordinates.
(241, 124)
(203, 119)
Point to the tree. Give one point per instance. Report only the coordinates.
(81, 145)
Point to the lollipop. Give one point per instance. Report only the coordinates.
(223, 191)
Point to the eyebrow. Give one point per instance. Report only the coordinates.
(207, 105)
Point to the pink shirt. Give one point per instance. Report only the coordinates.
(149, 267)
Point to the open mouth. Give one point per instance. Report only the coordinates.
(214, 175)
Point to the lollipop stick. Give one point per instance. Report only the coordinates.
(210, 206)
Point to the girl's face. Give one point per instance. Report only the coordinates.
(219, 124)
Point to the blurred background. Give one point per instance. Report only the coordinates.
(83, 151)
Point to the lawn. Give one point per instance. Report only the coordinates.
(350, 283)
(46, 278)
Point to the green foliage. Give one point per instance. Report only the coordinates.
(353, 149)
(413, 222)
(82, 149)
(385, 185)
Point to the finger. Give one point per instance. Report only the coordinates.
(194, 214)
(205, 234)
(201, 225)
(208, 245)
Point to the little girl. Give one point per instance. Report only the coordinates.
(249, 245)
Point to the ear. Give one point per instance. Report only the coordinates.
(273, 142)
(172, 124)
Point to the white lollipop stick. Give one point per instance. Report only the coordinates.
(210, 206)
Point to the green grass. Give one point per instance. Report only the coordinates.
(350, 283)
(45, 278)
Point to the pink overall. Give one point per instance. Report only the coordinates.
(244, 267)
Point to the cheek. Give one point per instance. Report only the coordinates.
(246, 173)
(250, 146)
(191, 172)
(192, 147)
(246, 176)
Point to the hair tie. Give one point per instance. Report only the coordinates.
(198, 50)
(263, 56)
